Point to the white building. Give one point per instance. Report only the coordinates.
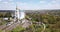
(19, 14)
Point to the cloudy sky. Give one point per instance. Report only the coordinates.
(29, 4)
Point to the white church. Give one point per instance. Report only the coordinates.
(19, 15)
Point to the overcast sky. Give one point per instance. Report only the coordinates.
(29, 4)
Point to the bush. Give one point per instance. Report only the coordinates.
(18, 29)
(0, 30)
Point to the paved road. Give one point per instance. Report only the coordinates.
(26, 23)
(2, 26)
(10, 27)
(17, 23)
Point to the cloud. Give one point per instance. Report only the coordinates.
(21, 3)
(42, 4)
(7, 6)
(52, 4)
(27, 6)
(42, 1)
(10, 0)
(5, 2)
(0, 0)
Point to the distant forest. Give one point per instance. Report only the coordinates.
(50, 18)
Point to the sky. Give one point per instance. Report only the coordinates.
(29, 4)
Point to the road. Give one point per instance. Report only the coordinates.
(2, 26)
(25, 24)
(10, 27)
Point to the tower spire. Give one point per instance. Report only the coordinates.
(16, 7)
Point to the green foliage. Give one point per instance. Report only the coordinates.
(52, 21)
(2, 23)
(18, 29)
(0, 30)
(36, 28)
(5, 14)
